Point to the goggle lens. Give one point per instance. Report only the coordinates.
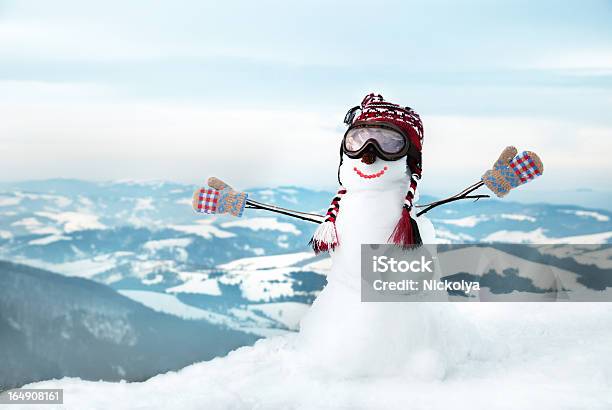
(389, 141)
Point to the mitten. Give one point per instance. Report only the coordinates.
(206, 200)
(213, 201)
(216, 183)
(510, 171)
(230, 201)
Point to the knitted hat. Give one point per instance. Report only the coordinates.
(374, 108)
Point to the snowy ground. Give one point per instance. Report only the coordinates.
(539, 356)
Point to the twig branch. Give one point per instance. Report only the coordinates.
(288, 212)
(462, 195)
(268, 206)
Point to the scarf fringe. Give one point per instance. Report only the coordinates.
(325, 238)
(406, 233)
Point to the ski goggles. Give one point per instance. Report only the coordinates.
(389, 141)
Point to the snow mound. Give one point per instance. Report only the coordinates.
(588, 214)
(153, 246)
(167, 304)
(467, 222)
(267, 262)
(49, 239)
(205, 229)
(74, 221)
(198, 284)
(518, 217)
(264, 278)
(539, 236)
(85, 268)
(263, 223)
(538, 356)
(9, 201)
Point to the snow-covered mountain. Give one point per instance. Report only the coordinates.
(254, 274)
(143, 239)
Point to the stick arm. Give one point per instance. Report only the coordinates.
(457, 197)
(288, 212)
(242, 201)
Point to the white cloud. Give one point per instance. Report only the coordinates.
(41, 92)
(458, 150)
(167, 141)
(72, 39)
(308, 33)
(584, 61)
(56, 130)
(271, 147)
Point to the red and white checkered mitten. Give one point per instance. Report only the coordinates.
(510, 171)
(206, 200)
(213, 201)
(220, 198)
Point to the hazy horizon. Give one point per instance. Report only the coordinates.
(588, 198)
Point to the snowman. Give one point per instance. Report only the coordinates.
(379, 170)
(380, 167)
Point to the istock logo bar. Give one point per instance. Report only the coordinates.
(486, 273)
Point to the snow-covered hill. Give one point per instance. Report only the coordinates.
(53, 326)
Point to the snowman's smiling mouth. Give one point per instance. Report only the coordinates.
(370, 176)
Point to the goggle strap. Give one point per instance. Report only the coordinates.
(350, 115)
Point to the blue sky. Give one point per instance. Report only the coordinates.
(182, 90)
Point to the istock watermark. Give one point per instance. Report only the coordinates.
(386, 264)
(487, 273)
(32, 396)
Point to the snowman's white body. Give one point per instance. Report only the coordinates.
(368, 213)
(353, 338)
